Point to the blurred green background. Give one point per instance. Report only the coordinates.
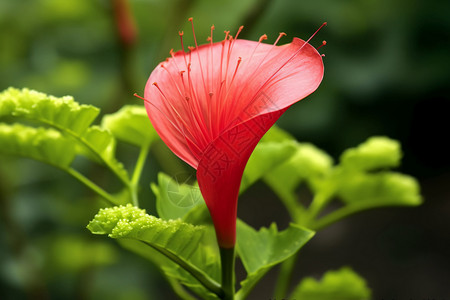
(386, 73)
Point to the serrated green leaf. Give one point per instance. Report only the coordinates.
(101, 141)
(66, 115)
(343, 284)
(265, 158)
(61, 112)
(132, 125)
(261, 250)
(174, 200)
(46, 145)
(172, 271)
(375, 153)
(179, 242)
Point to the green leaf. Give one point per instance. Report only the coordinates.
(261, 250)
(174, 200)
(100, 146)
(178, 242)
(309, 164)
(375, 153)
(61, 112)
(276, 134)
(45, 145)
(265, 158)
(173, 272)
(71, 118)
(101, 142)
(132, 125)
(343, 284)
(383, 189)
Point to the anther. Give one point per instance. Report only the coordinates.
(323, 44)
(142, 98)
(239, 31)
(262, 38)
(280, 35)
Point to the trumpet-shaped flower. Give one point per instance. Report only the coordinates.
(212, 104)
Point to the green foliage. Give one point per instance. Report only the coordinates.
(375, 153)
(188, 254)
(174, 200)
(174, 245)
(46, 145)
(361, 180)
(132, 125)
(384, 188)
(307, 163)
(62, 113)
(343, 284)
(70, 118)
(99, 145)
(263, 249)
(264, 158)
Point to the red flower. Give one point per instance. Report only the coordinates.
(213, 104)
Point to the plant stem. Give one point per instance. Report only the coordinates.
(284, 277)
(137, 174)
(314, 209)
(227, 262)
(83, 179)
(342, 213)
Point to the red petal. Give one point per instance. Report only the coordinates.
(220, 172)
(245, 78)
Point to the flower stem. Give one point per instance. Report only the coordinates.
(227, 261)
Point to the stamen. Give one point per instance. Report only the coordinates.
(198, 54)
(262, 38)
(174, 83)
(177, 127)
(184, 85)
(142, 98)
(323, 24)
(323, 44)
(174, 110)
(286, 62)
(212, 59)
(235, 70)
(239, 31)
(279, 37)
(181, 33)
